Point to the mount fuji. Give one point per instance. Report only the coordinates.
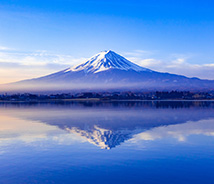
(109, 71)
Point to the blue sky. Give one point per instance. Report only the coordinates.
(38, 37)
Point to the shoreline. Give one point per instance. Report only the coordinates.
(105, 100)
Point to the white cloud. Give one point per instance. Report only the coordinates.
(151, 62)
(18, 65)
(181, 132)
(36, 58)
(138, 53)
(4, 48)
(175, 63)
(13, 130)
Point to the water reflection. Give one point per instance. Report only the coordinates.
(106, 125)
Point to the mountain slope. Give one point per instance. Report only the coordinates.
(108, 70)
(104, 61)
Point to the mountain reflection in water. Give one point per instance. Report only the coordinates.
(109, 124)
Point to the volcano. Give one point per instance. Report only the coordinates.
(108, 70)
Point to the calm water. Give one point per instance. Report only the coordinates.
(127, 142)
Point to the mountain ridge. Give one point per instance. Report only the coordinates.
(108, 70)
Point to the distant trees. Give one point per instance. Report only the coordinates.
(158, 95)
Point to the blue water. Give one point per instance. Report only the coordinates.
(94, 142)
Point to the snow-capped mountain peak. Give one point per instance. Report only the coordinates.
(110, 71)
(104, 61)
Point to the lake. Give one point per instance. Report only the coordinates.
(107, 142)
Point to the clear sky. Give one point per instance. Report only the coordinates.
(38, 37)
